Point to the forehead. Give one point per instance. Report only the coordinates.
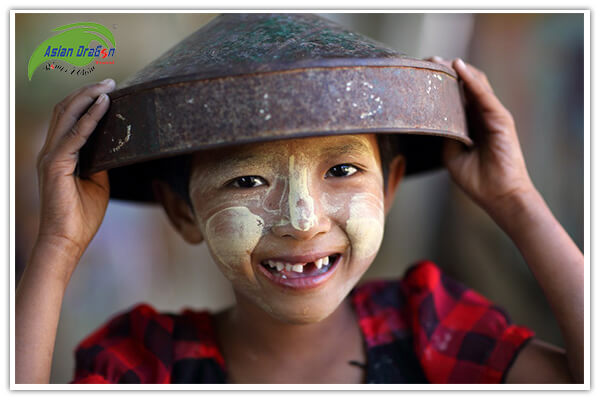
(364, 144)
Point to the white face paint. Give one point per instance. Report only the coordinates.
(365, 225)
(301, 204)
(244, 226)
(330, 204)
(232, 234)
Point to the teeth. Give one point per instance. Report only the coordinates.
(280, 266)
(319, 263)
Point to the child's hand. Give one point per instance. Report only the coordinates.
(72, 208)
(493, 173)
(71, 212)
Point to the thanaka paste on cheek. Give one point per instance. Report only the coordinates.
(235, 221)
(365, 225)
(332, 204)
(232, 234)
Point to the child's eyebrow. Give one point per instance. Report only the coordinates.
(354, 147)
(240, 160)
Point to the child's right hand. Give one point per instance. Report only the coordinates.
(72, 208)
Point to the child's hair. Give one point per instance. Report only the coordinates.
(176, 171)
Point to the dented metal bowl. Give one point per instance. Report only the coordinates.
(246, 78)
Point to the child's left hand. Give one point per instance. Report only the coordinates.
(494, 175)
(493, 172)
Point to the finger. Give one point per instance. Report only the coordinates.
(481, 76)
(67, 150)
(60, 108)
(77, 104)
(485, 99)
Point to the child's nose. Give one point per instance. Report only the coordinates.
(304, 215)
(304, 219)
(306, 230)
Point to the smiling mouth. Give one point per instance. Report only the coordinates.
(300, 274)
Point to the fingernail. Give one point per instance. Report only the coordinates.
(437, 58)
(101, 98)
(108, 82)
(460, 63)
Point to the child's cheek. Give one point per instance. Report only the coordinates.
(232, 234)
(362, 217)
(365, 225)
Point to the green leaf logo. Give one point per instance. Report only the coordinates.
(73, 38)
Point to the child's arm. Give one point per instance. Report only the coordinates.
(494, 175)
(71, 212)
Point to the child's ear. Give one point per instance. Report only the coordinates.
(396, 173)
(179, 212)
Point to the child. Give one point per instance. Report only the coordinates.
(294, 247)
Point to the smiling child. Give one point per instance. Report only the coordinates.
(294, 224)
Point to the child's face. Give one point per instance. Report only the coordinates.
(292, 202)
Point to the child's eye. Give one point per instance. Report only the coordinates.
(342, 170)
(247, 182)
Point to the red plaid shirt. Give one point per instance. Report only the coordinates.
(422, 328)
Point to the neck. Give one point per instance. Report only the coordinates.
(248, 327)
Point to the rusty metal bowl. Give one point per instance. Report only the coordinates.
(246, 78)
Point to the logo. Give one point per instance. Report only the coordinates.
(73, 47)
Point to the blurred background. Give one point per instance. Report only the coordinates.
(534, 63)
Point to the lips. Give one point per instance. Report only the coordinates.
(300, 272)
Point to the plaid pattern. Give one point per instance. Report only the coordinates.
(143, 346)
(430, 328)
(423, 328)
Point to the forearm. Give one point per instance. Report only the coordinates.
(555, 261)
(38, 302)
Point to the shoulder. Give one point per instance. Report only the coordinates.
(458, 335)
(142, 345)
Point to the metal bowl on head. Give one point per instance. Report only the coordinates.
(246, 78)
